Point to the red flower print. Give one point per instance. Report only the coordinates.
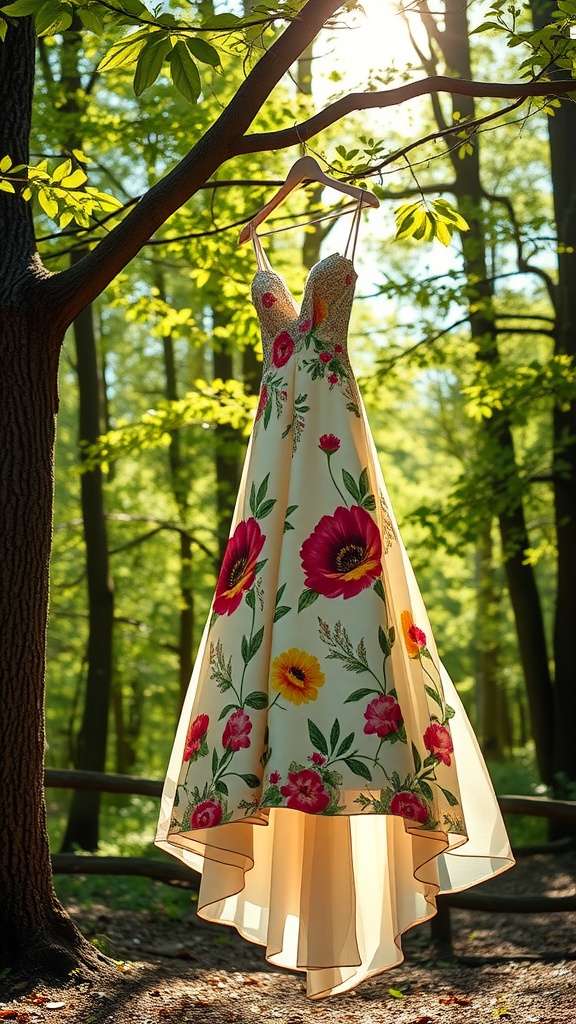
(320, 311)
(305, 792)
(338, 349)
(329, 443)
(275, 778)
(282, 349)
(408, 805)
(305, 325)
(332, 378)
(325, 357)
(438, 741)
(262, 403)
(206, 814)
(239, 566)
(268, 299)
(414, 638)
(383, 716)
(196, 733)
(342, 555)
(237, 731)
(318, 759)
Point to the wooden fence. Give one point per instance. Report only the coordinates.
(170, 870)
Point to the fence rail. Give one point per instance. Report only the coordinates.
(173, 871)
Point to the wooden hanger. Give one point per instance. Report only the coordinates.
(305, 169)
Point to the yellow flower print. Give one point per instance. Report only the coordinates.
(297, 676)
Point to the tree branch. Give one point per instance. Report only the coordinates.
(71, 290)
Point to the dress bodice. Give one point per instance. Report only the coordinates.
(325, 309)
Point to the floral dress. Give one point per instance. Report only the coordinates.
(324, 778)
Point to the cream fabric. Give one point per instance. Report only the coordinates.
(324, 777)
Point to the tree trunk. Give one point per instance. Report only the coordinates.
(497, 433)
(489, 702)
(83, 821)
(562, 134)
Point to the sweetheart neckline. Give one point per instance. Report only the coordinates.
(274, 273)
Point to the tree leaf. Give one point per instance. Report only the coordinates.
(49, 205)
(53, 17)
(185, 73)
(5, 164)
(150, 62)
(203, 51)
(78, 177)
(21, 8)
(123, 52)
(6, 186)
(317, 739)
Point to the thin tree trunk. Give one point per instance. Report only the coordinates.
(83, 820)
(488, 689)
(497, 433)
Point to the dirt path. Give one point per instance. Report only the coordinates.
(515, 968)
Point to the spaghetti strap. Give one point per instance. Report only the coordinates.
(261, 258)
(350, 250)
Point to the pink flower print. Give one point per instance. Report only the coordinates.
(275, 778)
(238, 570)
(262, 403)
(282, 349)
(268, 299)
(305, 325)
(438, 741)
(325, 357)
(206, 814)
(329, 443)
(408, 805)
(196, 733)
(237, 730)
(338, 349)
(284, 395)
(304, 791)
(318, 759)
(342, 555)
(383, 716)
(332, 378)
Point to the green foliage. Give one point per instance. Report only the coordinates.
(57, 190)
(552, 45)
(424, 221)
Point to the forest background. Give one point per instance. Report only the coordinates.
(462, 363)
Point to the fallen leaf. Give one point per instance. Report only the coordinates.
(8, 1014)
(396, 993)
(453, 1000)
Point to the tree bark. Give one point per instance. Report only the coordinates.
(454, 44)
(562, 135)
(83, 821)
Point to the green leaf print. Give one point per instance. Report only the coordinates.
(350, 485)
(426, 790)
(369, 503)
(251, 780)
(449, 712)
(214, 761)
(249, 648)
(262, 490)
(363, 485)
(307, 597)
(433, 695)
(225, 711)
(452, 800)
(384, 642)
(282, 610)
(317, 739)
(259, 507)
(359, 695)
(334, 735)
(358, 767)
(250, 599)
(417, 758)
(265, 508)
(345, 745)
(378, 588)
(221, 787)
(289, 511)
(256, 700)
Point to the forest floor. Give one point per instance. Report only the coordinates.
(515, 968)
